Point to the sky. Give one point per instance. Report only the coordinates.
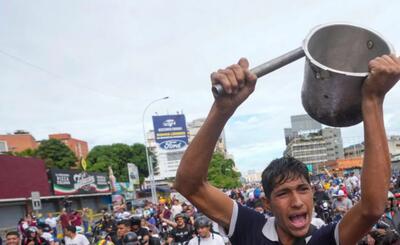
(90, 67)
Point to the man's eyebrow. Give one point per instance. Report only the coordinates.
(295, 187)
(282, 189)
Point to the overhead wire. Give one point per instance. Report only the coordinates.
(58, 77)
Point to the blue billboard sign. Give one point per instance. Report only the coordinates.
(170, 131)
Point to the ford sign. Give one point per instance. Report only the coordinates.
(173, 144)
(169, 123)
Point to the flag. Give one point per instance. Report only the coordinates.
(83, 164)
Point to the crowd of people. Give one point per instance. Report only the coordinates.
(179, 222)
(169, 222)
(33, 230)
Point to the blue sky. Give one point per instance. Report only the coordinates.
(95, 64)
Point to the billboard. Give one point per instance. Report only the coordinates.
(133, 173)
(124, 190)
(170, 132)
(69, 182)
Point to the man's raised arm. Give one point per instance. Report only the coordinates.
(191, 178)
(376, 171)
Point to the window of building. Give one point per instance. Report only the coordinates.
(3, 146)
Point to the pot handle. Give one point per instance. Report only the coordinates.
(267, 67)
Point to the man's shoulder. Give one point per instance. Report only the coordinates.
(193, 241)
(81, 237)
(326, 234)
(218, 237)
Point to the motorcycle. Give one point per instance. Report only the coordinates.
(324, 211)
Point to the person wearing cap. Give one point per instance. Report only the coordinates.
(45, 232)
(341, 204)
(391, 215)
(33, 237)
(130, 238)
(141, 232)
(182, 232)
(107, 224)
(205, 235)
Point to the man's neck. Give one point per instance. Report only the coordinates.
(206, 236)
(284, 238)
(73, 235)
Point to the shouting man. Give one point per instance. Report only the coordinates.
(286, 183)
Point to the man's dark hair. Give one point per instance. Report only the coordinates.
(125, 222)
(71, 228)
(12, 233)
(281, 170)
(135, 221)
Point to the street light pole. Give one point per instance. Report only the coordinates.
(149, 162)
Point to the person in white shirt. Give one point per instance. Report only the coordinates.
(52, 222)
(176, 208)
(354, 180)
(205, 236)
(72, 238)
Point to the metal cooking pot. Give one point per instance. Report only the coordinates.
(336, 65)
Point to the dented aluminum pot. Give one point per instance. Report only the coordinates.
(337, 57)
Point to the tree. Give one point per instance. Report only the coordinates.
(221, 172)
(117, 156)
(27, 153)
(56, 154)
(139, 159)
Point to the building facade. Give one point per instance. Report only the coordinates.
(357, 150)
(353, 151)
(17, 142)
(79, 147)
(394, 145)
(194, 127)
(253, 176)
(308, 142)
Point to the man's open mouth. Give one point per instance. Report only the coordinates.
(298, 220)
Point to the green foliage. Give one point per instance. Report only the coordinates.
(55, 154)
(221, 172)
(117, 156)
(26, 153)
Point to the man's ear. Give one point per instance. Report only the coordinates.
(266, 203)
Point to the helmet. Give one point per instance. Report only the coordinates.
(130, 239)
(32, 229)
(202, 221)
(80, 230)
(103, 234)
(340, 193)
(46, 228)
